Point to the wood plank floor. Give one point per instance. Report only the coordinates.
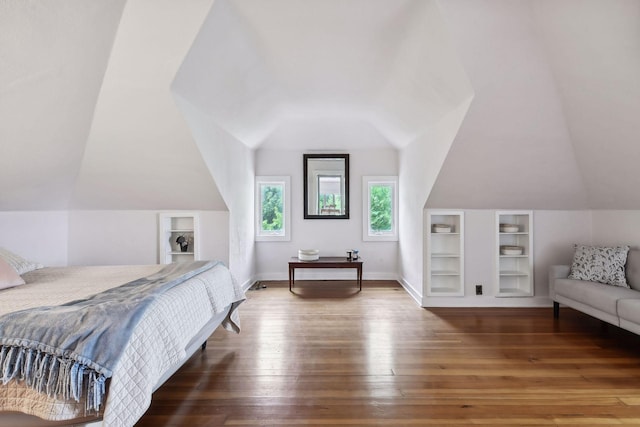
(329, 355)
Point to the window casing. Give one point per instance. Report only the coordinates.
(273, 208)
(380, 208)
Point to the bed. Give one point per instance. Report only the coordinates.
(170, 329)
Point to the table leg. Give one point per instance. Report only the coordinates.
(291, 277)
(360, 276)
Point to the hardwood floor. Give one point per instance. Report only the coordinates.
(329, 355)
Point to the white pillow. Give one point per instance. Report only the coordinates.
(19, 264)
(8, 276)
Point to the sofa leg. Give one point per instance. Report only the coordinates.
(604, 327)
(556, 309)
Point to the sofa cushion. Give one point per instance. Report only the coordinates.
(629, 309)
(594, 294)
(632, 269)
(600, 264)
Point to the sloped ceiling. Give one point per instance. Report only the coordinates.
(594, 51)
(274, 73)
(63, 60)
(140, 153)
(554, 122)
(53, 55)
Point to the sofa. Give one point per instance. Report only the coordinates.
(617, 305)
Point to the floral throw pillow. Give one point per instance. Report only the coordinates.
(600, 264)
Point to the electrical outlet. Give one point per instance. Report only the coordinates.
(478, 289)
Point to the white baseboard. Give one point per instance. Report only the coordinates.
(484, 301)
(247, 284)
(417, 296)
(487, 301)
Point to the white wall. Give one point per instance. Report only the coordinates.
(554, 234)
(113, 237)
(60, 238)
(616, 227)
(39, 236)
(419, 165)
(332, 236)
(131, 237)
(231, 164)
(214, 235)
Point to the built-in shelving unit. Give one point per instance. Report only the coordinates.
(444, 253)
(178, 237)
(514, 253)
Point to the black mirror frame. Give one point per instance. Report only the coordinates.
(305, 157)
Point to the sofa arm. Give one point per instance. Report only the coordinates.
(557, 272)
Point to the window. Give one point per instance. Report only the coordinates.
(273, 208)
(380, 208)
(329, 194)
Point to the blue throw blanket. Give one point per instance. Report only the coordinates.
(70, 350)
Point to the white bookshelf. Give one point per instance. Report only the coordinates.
(514, 253)
(444, 253)
(171, 226)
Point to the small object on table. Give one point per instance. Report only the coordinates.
(308, 254)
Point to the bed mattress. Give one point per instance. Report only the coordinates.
(157, 343)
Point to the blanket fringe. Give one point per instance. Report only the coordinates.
(56, 376)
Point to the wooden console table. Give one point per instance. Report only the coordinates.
(325, 262)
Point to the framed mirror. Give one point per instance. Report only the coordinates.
(326, 186)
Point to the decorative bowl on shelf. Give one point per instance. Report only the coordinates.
(509, 228)
(441, 228)
(511, 250)
(308, 254)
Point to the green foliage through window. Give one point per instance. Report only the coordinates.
(272, 207)
(380, 208)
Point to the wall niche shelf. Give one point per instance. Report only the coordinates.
(444, 253)
(175, 225)
(514, 253)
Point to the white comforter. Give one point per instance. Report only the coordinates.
(157, 343)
